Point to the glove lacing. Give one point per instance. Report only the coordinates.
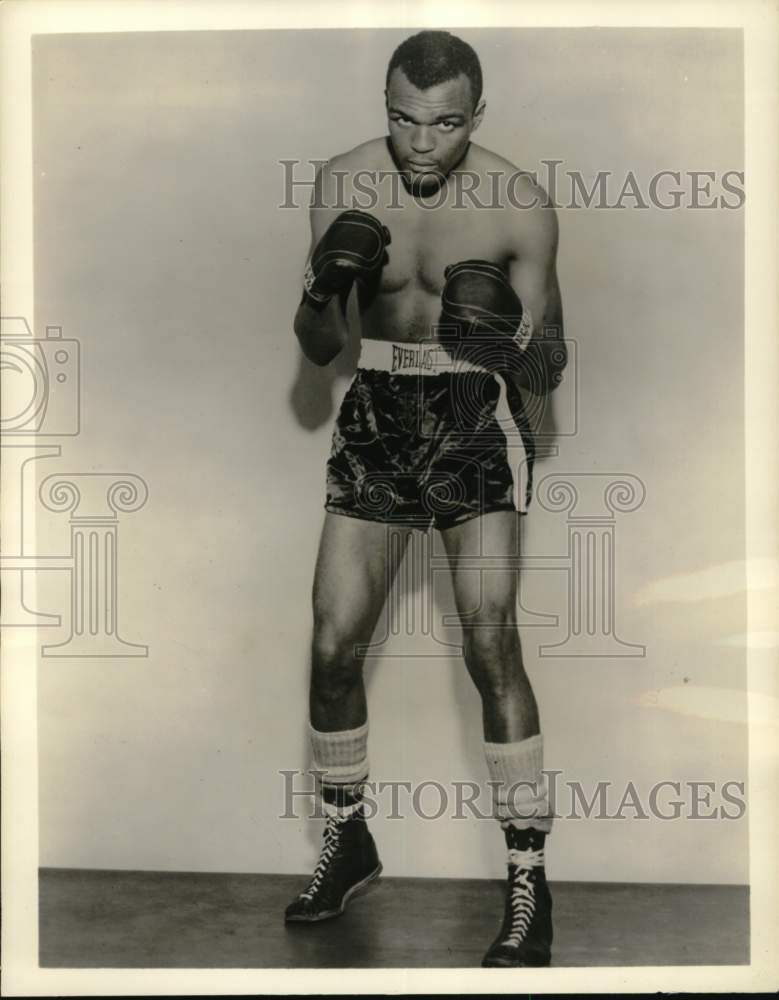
(335, 821)
(522, 895)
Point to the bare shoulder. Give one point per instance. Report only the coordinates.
(334, 181)
(529, 211)
(371, 155)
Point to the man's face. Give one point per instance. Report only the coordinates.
(430, 129)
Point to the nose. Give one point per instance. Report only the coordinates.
(422, 139)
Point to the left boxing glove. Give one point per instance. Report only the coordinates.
(482, 316)
(353, 247)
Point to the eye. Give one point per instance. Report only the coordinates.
(447, 126)
(400, 120)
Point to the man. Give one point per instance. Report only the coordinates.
(458, 305)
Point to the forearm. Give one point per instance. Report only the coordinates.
(347, 250)
(322, 334)
(540, 366)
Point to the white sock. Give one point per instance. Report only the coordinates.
(520, 793)
(342, 756)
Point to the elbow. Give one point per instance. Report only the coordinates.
(318, 341)
(556, 365)
(542, 367)
(314, 350)
(299, 327)
(321, 358)
(553, 358)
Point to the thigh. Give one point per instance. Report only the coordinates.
(355, 567)
(485, 595)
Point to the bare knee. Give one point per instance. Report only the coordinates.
(493, 653)
(490, 633)
(335, 666)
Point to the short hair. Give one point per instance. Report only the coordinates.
(432, 57)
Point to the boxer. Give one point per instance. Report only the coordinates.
(459, 308)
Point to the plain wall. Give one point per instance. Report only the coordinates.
(159, 244)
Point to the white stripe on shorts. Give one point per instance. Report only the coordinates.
(423, 358)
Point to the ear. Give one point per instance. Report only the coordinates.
(386, 98)
(478, 114)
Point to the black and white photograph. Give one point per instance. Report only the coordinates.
(389, 551)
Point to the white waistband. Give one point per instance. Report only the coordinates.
(423, 358)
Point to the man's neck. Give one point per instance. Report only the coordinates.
(413, 189)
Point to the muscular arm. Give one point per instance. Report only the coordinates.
(322, 334)
(533, 276)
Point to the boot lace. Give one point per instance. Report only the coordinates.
(330, 845)
(522, 899)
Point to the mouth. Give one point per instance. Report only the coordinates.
(426, 167)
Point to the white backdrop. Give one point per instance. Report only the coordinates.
(160, 246)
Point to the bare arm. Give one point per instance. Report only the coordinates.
(322, 334)
(533, 276)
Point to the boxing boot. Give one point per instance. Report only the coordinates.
(348, 863)
(525, 938)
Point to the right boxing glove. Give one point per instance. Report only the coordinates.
(353, 247)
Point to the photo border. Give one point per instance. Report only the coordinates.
(760, 20)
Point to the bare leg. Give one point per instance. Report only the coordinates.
(486, 602)
(353, 575)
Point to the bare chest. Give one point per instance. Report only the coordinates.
(426, 240)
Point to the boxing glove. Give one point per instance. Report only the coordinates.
(353, 247)
(482, 317)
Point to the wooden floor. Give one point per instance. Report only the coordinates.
(126, 919)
